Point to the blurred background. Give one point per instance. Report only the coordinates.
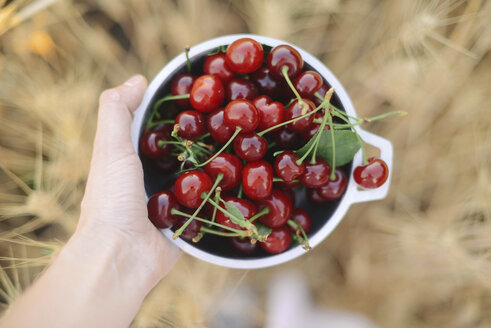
(420, 258)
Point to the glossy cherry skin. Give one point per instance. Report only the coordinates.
(334, 189)
(315, 198)
(290, 193)
(285, 186)
(217, 127)
(241, 89)
(280, 209)
(267, 83)
(149, 145)
(287, 139)
(294, 111)
(242, 246)
(284, 55)
(231, 168)
(315, 175)
(182, 85)
(312, 130)
(257, 180)
(322, 92)
(247, 208)
(278, 241)
(217, 65)
(189, 186)
(270, 113)
(307, 83)
(159, 208)
(192, 229)
(207, 93)
(241, 113)
(286, 167)
(191, 124)
(244, 55)
(372, 175)
(165, 128)
(303, 218)
(250, 146)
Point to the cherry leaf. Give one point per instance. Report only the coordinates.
(234, 210)
(262, 230)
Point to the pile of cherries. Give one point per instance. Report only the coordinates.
(229, 137)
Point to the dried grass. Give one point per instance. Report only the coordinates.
(420, 258)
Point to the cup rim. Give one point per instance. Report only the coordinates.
(351, 190)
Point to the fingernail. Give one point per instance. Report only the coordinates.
(135, 80)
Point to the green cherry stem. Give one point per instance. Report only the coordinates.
(258, 215)
(153, 124)
(333, 164)
(241, 190)
(284, 71)
(243, 223)
(297, 226)
(165, 99)
(237, 131)
(276, 179)
(197, 218)
(360, 140)
(263, 132)
(188, 62)
(221, 233)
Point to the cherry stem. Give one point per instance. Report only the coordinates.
(258, 215)
(152, 124)
(160, 143)
(276, 179)
(217, 199)
(188, 62)
(339, 114)
(297, 226)
(271, 144)
(288, 122)
(284, 71)
(202, 149)
(243, 223)
(318, 136)
(221, 233)
(237, 130)
(205, 199)
(197, 218)
(241, 190)
(204, 136)
(333, 164)
(155, 111)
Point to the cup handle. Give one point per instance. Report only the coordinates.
(386, 153)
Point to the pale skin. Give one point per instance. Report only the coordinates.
(116, 256)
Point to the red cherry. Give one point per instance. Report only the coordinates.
(286, 167)
(250, 146)
(294, 111)
(192, 229)
(217, 127)
(267, 83)
(242, 246)
(315, 175)
(278, 241)
(167, 164)
(303, 218)
(159, 208)
(287, 139)
(322, 92)
(247, 208)
(257, 180)
(284, 55)
(217, 65)
(334, 189)
(244, 55)
(189, 186)
(280, 209)
(207, 93)
(270, 113)
(149, 145)
(165, 128)
(290, 193)
(315, 198)
(231, 168)
(372, 175)
(307, 83)
(191, 124)
(241, 89)
(182, 85)
(312, 130)
(241, 113)
(286, 185)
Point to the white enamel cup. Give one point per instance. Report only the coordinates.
(331, 216)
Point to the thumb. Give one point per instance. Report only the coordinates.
(113, 140)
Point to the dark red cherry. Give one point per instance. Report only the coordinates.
(294, 111)
(247, 208)
(303, 218)
(217, 65)
(257, 180)
(315, 198)
(278, 241)
(322, 92)
(231, 168)
(165, 128)
(286, 185)
(290, 193)
(240, 89)
(315, 175)
(270, 113)
(244, 55)
(192, 229)
(280, 209)
(372, 175)
(250, 146)
(286, 167)
(182, 85)
(312, 130)
(287, 139)
(284, 55)
(189, 186)
(217, 127)
(191, 124)
(241, 113)
(159, 208)
(267, 83)
(307, 83)
(334, 189)
(149, 145)
(242, 246)
(207, 93)
(168, 164)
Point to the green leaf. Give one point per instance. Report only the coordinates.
(234, 210)
(262, 230)
(347, 145)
